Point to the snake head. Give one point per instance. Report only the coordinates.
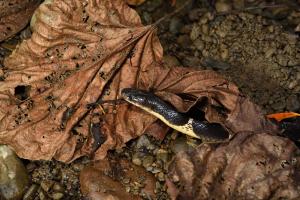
(135, 96)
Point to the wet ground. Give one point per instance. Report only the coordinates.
(253, 45)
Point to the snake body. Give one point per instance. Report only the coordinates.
(207, 132)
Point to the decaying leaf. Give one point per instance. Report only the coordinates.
(14, 16)
(83, 51)
(135, 2)
(251, 166)
(116, 179)
(76, 49)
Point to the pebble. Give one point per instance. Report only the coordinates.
(162, 155)
(14, 178)
(57, 187)
(57, 195)
(143, 141)
(175, 25)
(147, 161)
(292, 103)
(171, 61)
(199, 44)
(136, 160)
(30, 193)
(195, 33)
(222, 6)
(161, 176)
(224, 54)
(46, 185)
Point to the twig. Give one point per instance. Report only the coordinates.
(175, 12)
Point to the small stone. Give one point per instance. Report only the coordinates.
(42, 195)
(292, 103)
(14, 178)
(77, 167)
(184, 41)
(293, 84)
(199, 44)
(30, 193)
(46, 185)
(269, 52)
(179, 145)
(136, 160)
(224, 54)
(278, 106)
(57, 187)
(161, 176)
(57, 195)
(162, 154)
(147, 161)
(195, 32)
(143, 141)
(194, 14)
(171, 61)
(222, 6)
(175, 25)
(205, 29)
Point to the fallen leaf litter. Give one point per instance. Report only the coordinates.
(73, 60)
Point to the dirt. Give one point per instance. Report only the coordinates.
(261, 54)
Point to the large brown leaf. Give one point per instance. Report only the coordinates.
(251, 166)
(82, 51)
(14, 16)
(77, 47)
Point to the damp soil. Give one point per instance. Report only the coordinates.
(255, 48)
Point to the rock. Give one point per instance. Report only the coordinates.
(215, 64)
(195, 33)
(199, 44)
(292, 103)
(222, 6)
(31, 192)
(13, 175)
(171, 61)
(46, 185)
(143, 141)
(162, 155)
(184, 41)
(136, 160)
(57, 195)
(175, 25)
(180, 144)
(147, 161)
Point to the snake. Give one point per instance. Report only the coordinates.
(167, 113)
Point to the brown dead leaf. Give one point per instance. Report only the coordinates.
(80, 52)
(135, 2)
(251, 166)
(109, 178)
(15, 15)
(76, 49)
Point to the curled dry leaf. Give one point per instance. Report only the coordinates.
(251, 166)
(135, 2)
(83, 51)
(14, 16)
(116, 179)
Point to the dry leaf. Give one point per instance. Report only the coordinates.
(15, 15)
(109, 178)
(135, 2)
(76, 48)
(251, 166)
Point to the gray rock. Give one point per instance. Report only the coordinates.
(175, 25)
(292, 103)
(13, 175)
